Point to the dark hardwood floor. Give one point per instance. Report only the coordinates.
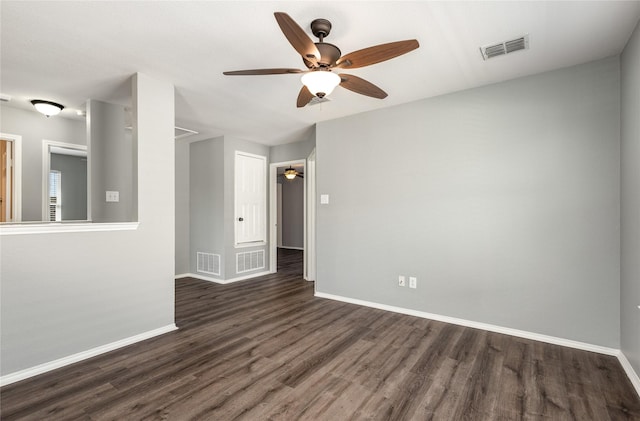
(266, 349)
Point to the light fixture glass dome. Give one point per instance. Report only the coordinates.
(47, 108)
(290, 173)
(320, 82)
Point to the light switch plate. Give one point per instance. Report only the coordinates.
(324, 199)
(113, 196)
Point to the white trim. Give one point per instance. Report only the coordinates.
(309, 272)
(62, 227)
(16, 199)
(477, 325)
(222, 281)
(628, 368)
(291, 248)
(247, 245)
(46, 167)
(80, 356)
(273, 211)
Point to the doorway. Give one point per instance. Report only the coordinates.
(10, 178)
(287, 211)
(65, 188)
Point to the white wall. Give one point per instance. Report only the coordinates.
(630, 153)
(66, 293)
(503, 201)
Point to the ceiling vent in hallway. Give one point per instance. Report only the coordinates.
(506, 47)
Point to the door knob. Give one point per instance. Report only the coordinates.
(241, 219)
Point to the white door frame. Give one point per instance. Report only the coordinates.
(46, 167)
(310, 226)
(273, 212)
(16, 191)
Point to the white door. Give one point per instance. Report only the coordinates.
(251, 198)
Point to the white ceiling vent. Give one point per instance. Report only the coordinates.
(506, 47)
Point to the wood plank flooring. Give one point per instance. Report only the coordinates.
(266, 349)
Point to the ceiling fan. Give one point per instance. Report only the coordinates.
(321, 58)
(291, 173)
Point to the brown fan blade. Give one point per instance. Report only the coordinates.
(376, 54)
(361, 86)
(304, 97)
(261, 72)
(297, 37)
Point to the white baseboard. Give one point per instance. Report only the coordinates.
(222, 281)
(245, 277)
(61, 362)
(478, 325)
(631, 373)
(201, 277)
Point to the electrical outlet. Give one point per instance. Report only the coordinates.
(413, 282)
(402, 281)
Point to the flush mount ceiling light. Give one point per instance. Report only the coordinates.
(320, 82)
(47, 108)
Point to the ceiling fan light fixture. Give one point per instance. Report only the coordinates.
(290, 173)
(320, 82)
(47, 108)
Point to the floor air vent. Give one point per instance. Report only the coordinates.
(250, 260)
(506, 47)
(208, 263)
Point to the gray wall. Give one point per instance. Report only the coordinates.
(292, 212)
(89, 289)
(205, 197)
(110, 162)
(293, 151)
(34, 128)
(210, 167)
(73, 173)
(503, 201)
(206, 192)
(630, 152)
(182, 207)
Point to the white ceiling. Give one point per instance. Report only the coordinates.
(70, 51)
